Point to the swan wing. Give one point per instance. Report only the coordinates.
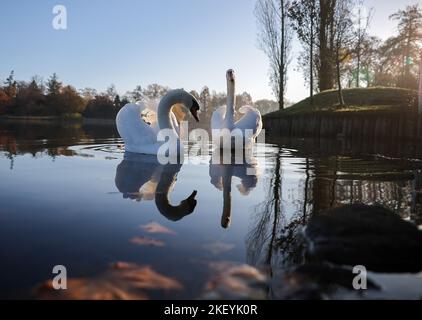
(135, 132)
(217, 118)
(251, 120)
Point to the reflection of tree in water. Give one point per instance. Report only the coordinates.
(261, 238)
(393, 185)
(275, 241)
(290, 242)
(346, 172)
(48, 139)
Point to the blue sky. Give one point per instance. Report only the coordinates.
(178, 43)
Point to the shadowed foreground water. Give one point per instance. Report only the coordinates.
(126, 227)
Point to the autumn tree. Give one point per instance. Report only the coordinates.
(70, 101)
(275, 37)
(53, 85)
(406, 43)
(101, 107)
(4, 102)
(30, 99)
(10, 85)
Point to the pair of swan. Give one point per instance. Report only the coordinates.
(141, 137)
(140, 177)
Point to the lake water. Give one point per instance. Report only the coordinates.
(70, 196)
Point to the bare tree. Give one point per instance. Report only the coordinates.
(275, 37)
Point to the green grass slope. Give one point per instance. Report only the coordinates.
(376, 99)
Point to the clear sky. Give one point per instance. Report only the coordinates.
(178, 43)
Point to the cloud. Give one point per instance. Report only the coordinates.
(218, 247)
(145, 241)
(154, 227)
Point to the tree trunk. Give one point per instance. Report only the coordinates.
(420, 89)
(323, 45)
(277, 208)
(311, 63)
(282, 53)
(340, 89)
(326, 32)
(358, 67)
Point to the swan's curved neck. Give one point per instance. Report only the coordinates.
(166, 103)
(167, 180)
(231, 101)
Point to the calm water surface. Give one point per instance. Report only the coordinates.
(126, 227)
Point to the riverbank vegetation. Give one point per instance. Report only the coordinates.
(55, 99)
(338, 50)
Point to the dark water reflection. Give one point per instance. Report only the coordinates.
(127, 227)
(141, 176)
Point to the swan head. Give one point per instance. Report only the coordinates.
(189, 203)
(230, 75)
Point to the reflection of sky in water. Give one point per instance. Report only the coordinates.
(67, 210)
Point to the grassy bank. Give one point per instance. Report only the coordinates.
(361, 100)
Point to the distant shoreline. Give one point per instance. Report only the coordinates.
(56, 119)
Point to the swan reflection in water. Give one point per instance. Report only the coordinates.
(142, 177)
(244, 167)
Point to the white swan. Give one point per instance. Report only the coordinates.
(140, 136)
(248, 127)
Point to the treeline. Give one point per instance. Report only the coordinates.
(337, 49)
(53, 98)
